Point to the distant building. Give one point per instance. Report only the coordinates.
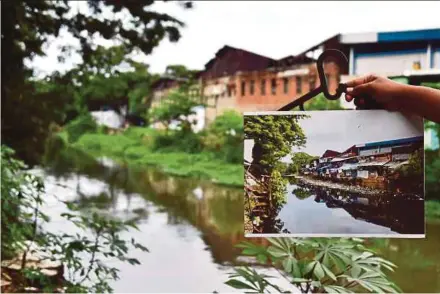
(403, 53)
(245, 81)
(162, 87)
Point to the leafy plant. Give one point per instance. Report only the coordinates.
(177, 106)
(79, 126)
(274, 136)
(23, 226)
(29, 25)
(317, 266)
(299, 159)
(322, 103)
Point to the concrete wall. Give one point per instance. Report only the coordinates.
(394, 63)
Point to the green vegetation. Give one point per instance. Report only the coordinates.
(22, 220)
(299, 159)
(274, 136)
(432, 210)
(322, 103)
(215, 153)
(316, 266)
(31, 105)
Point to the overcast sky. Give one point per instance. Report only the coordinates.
(339, 130)
(272, 28)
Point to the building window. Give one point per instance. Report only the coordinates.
(298, 85)
(286, 85)
(273, 86)
(229, 91)
(252, 87)
(263, 87)
(243, 88)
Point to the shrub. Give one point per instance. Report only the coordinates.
(185, 141)
(79, 126)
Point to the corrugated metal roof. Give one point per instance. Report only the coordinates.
(372, 163)
(338, 159)
(394, 165)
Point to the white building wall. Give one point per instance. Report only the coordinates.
(388, 64)
(436, 59)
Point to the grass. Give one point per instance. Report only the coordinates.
(135, 147)
(432, 210)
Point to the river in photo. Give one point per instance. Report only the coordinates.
(308, 216)
(191, 226)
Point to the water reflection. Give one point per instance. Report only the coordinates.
(191, 226)
(393, 214)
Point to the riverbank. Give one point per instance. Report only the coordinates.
(136, 150)
(432, 210)
(342, 187)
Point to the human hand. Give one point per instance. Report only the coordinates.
(382, 90)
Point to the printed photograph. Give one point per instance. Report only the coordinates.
(333, 173)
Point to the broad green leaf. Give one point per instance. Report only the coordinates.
(239, 284)
(319, 271)
(328, 272)
(277, 252)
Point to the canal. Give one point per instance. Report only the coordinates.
(342, 212)
(191, 226)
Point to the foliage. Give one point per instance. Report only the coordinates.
(23, 222)
(225, 136)
(322, 103)
(432, 209)
(432, 174)
(79, 126)
(140, 153)
(274, 136)
(299, 159)
(301, 193)
(29, 25)
(180, 71)
(432, 85)
(278, 188)
(177, 106)
(185, 141)
(317, 266)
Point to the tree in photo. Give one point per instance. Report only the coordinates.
(274, 136)
(299, 160)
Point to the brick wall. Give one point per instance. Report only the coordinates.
(263, 90)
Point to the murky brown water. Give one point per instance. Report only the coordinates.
(191, 227)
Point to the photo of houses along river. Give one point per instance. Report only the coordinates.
(334, 173)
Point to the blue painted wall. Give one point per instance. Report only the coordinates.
(392, 142)
(431, 34)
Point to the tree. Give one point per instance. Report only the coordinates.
(27, 26)
(299, 159)
(321, 103)
(175, 107)
(274, 136)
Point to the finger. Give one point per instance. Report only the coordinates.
(348, 98)
(361, 90)
(361, 80)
